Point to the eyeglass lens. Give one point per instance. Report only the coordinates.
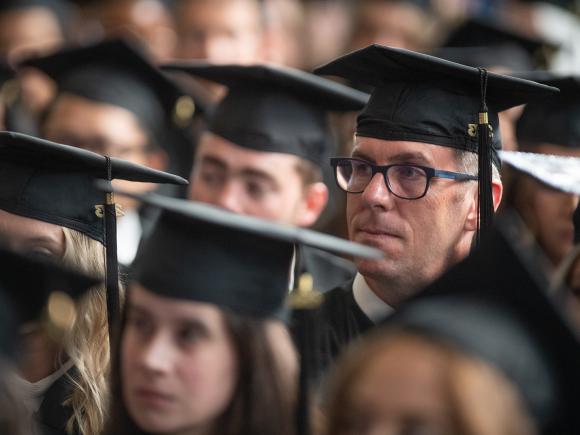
(405, 181)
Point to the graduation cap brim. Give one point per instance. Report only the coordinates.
(507, 272)
(319, 92)
(569, 85)
(252, 225)
(376, 65)
(35, 152)
(558, 172)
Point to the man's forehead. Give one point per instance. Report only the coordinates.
(388, 150)
(230, 154)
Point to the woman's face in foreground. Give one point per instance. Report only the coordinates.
(179, 368)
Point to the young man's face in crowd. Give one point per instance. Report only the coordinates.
(256, 183)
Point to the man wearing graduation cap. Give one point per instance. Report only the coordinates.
(265, 148)
(113, 101)
(429, 129)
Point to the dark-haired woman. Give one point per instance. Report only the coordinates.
(192, 368)
(202, 349)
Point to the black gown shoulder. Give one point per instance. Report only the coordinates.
(341, 321)
(330, 329)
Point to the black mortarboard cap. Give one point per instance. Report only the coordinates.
(207, 254)
(54, 183)
(275, 109)
(27, 287)
(528, 52)
(423, 98)
(494, 306)
(558, 172)
(117, 72)
(554, 120)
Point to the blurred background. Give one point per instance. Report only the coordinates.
(297, 33)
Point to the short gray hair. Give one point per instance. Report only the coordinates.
(468, 163)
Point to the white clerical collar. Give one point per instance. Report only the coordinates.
(371, 305)
(129, 231)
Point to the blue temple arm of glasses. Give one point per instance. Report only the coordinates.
(454, 175)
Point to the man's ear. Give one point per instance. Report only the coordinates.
(313, 203)
(496, 191)
(471, 220)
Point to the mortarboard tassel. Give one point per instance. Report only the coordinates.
(112, 267)
(484, 134)
(304, 301)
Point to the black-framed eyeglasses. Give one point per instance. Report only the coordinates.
(403, 180)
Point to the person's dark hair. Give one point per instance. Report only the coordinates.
(308, 171)
(260, 387)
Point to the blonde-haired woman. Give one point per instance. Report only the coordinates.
(50, 207)
(87, 343)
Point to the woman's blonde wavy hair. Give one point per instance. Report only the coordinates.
(87, 343)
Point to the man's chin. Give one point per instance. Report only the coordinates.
(390, 245)
(385, 269)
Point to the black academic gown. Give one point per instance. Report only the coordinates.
(341, 322)
(52, 415)
(328, 271)
(334, 325)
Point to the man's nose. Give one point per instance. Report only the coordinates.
(377, 194)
